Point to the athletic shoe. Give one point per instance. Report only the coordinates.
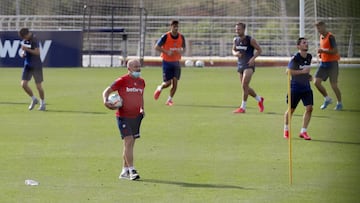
(286, 134)
(124, 175)
(134, 175)
(239, 110)
(157, 93)
(42, 107)
(169, 103)
(338, 107)
(261, 104)
(305, 136)
(326, 103)
(33, 103)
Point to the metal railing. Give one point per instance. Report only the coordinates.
(205, 36)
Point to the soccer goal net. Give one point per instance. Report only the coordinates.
(110, 29)
(341, 18)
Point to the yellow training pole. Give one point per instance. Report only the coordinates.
(289, 126)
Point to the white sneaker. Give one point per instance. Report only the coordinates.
(42, 107)
(325, 104)
(124, 175)
(33, 103)
(134, 175)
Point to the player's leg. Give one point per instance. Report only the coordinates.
(241, 75)
(135, 129)
(333, 75)
(295, 98)
(173, 89)
(258, 98)
(306, 117)
(26, 87)
(128, 150)
(25, 78)
(308, 101)
(128, 153)
(174, 81)
(125, 132)
(166, 71)
(320, 76)
(38, 77)
(245, 81)
(247, 90)
(286, 122)
(42, 96)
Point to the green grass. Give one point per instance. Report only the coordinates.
(195, 151)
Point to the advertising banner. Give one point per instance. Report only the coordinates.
(57, 48)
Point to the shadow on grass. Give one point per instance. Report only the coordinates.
(352, 110)
(271, 113)
(335, 142)
(14, 103)
(206, 106)
(194, 185)
(72, 111)
(294, 115)
(53, 110)
(326, 141)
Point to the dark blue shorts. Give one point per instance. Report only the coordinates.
(306, 97)
(171, 70)
(241, 69)
(29, 72)
(130, 126)
(328, 70)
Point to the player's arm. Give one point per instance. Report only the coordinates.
(292, 67)
(142, 109)
(35, 45)
(234, 51)
(105, 95)
(35, 51)
(305, 70)
(257, 51)
(160, 43)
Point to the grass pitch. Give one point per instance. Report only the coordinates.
(195, 151)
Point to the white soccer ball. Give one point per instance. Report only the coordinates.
(116, 100)
(189, 63)
(199, 63)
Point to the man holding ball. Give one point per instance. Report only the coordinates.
(130, 88)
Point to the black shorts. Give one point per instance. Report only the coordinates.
(29, 72)
(171, 70)
(241, 70)
(306, 97)
(129, 126)
(328, 70)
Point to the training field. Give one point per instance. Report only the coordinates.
(194, 151)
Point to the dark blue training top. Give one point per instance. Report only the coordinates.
(245, 48)
(300, 83)
(30, 59)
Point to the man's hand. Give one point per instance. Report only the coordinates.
(110, 106)
(238, 54)
(321, 50)
(251, 62)
(306, 70)
(168, 52)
